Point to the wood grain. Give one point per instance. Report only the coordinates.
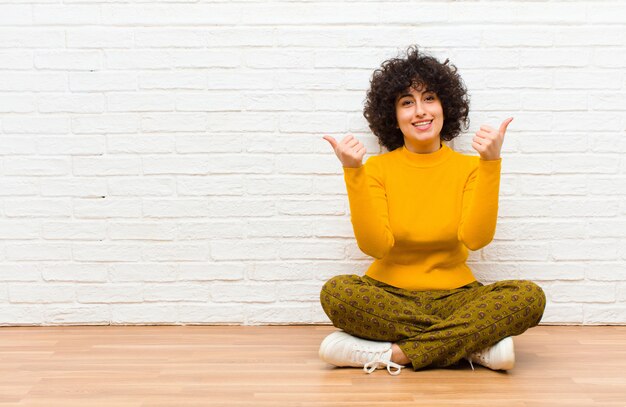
(159, 366)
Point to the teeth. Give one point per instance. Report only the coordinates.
(422, 123)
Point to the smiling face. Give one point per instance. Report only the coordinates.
(420, 117)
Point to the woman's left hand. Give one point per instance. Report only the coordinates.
(488, 141)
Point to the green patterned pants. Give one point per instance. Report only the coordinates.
(433, 328)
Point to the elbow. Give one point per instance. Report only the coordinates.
(378, 251)
(474, 243)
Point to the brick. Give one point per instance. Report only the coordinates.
(41, 293)
(17, 272)
(13, 103)
(105, 165)
(250, 292)
(106, 123)
(576, 250)
(102, 81)
(38, 252)
(178, 122)
(278, 313)
(171, 14)
(209, 144)
(16, 60)
(33, 37)
(13, 187)
(69, 60)
(220, 208)
(212, 272)
(109, 252)
(141, 186)
(140, 144)
(274, 185)
(82, 231)
(109, 293)
(77, 314)
(180, 79)
(170, 38)
(70, 103)
(15, 14)
(605, 271)
(37, 208)
(175, 292)
(73, 273)
(244, 250)
(82, 14)
(212, 185)
(211, 230)
(211, 313)
(143, 314)
(603, 314)
(210, 102)
(279, 228)
(75, 187)
(174, 208)
(144, 231)
(99, 37)
(102, 208)
(562, 314)
(175, 165)
(15, 230)
(20, 315)
(35, 125)
(140, 102)
(142, 272)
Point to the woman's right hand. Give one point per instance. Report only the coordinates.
(350, 151)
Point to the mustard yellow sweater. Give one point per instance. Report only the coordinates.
(418, 214)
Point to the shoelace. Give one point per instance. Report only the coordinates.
(369, 367)
(478, 355)
(372, 359)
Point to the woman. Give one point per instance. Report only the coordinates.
(417, 209)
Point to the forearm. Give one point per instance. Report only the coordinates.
(479, 219)
(368, 214)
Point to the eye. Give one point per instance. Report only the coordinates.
(406, 102)
(430, 97)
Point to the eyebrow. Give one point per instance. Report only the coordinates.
(409, 94)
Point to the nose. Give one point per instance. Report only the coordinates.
(419, 109)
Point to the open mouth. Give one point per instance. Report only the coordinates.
(423, 125)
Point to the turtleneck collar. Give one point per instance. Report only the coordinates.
(428, 159)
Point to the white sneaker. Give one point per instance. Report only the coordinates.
(342, 349)
(500, 356)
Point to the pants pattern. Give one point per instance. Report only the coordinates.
(433, 328)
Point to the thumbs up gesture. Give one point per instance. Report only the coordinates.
(350, 151)
(488, 141)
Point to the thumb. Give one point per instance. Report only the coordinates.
(331, 140)
(504, 125)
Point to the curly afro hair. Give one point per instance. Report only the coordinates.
(416, 70)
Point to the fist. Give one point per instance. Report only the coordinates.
(350, 151)
(488, 141)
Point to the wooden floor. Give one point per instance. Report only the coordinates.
(158, 366)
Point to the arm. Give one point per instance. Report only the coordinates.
(480, 195)
(368, 209)
(480, 205)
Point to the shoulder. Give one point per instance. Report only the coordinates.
(465, 162)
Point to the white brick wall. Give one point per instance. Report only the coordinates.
(162, 162)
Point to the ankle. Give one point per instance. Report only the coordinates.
(397, 356)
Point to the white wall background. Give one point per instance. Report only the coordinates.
(162, 162)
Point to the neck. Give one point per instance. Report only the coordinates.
(428, 148)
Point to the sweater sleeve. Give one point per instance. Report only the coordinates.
(368, 209)
(480, 205)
